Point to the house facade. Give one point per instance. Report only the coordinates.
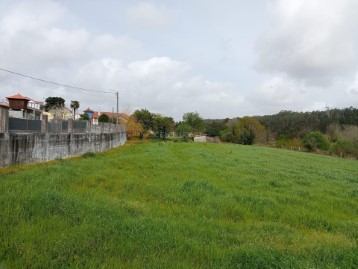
(94, 116)
(23, 107)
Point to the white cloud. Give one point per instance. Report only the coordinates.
(279, 93)
(31, 40)
(312, 41)
(351, 95)
(31, 16)
(161, 85)
(148, 15)
(107, 45)
(311, 44)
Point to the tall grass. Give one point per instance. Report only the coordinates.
(175, 205)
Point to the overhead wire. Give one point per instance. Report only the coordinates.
(54, 83)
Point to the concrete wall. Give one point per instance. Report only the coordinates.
(202, 139)
(37, 147)
(16, 114)
(4, 120)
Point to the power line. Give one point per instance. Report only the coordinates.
(54, 83)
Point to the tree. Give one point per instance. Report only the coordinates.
(103, 118)
(134, 128)
(183, 128)
(315, 140)
(247, 130)
(54, 103)
(145, 118)
(214, 127)
(162, 125)
(74, 105)
(195, 121)
(84, 117)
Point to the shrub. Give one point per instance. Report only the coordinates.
(227, 135)
(247, 130)
(345, 148)
(315, 140)
(281, 141)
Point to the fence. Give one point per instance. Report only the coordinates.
(24, 125)
(17, 125)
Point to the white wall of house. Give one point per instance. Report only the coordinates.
(16, 114)
(200, 139)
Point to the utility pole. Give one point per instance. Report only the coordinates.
(117, 95)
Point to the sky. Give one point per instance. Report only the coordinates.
(222, 59)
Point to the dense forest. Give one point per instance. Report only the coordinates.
(297, 124)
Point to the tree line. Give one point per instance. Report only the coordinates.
(334, 130)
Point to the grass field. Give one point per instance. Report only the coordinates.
(181, 205)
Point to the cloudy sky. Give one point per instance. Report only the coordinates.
(222, 59)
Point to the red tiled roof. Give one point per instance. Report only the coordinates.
(88, 110)
(18, 96)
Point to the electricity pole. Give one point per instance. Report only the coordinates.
(117, 107)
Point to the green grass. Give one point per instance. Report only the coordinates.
(181, 205)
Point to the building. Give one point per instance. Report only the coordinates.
(122, 117)
(94, 116)
(24, 107)
(62, 113)
(89, 112)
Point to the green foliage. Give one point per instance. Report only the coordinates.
(297, 124)
(84, 117)
(181, 205)
(177, 139)
(281, 141)
(344, 148)
(183, 128)
(247, 136)
(162, 125)
(247, 129)
(54, 103)
(315, 140)
(74, 105)
(103, 118)
(195, 121)
(214, 127)
(89, 155)
(145, 118)
(227, 135)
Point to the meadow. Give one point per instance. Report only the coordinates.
(181, 205)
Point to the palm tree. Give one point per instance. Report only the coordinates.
(75, 105)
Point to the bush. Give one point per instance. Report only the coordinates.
(345, 148)
(227, 135)
(281, 141)
(247, 137)
(247, 130)
(315, 140)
